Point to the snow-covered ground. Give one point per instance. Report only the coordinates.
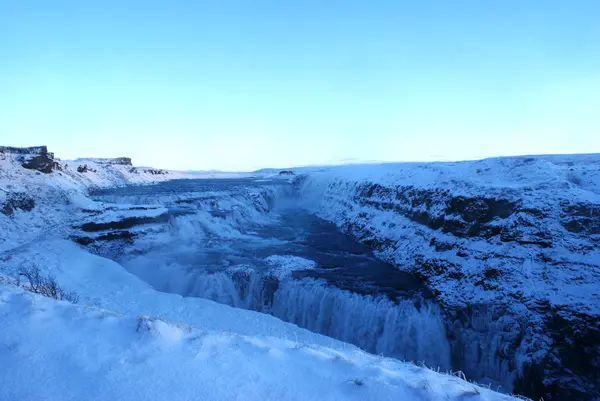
(58, 351)
(126, 340)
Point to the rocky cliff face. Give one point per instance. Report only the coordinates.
(40, 194)
(33, 158)
(120, 161)
(511, 253)
(16, 201)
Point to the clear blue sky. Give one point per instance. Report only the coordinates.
(240, 85)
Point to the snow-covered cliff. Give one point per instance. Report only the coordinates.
(52, 191)
(509, 246)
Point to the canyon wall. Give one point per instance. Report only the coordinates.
(510, 247)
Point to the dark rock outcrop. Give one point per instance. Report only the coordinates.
(33, 158)
(111, 236)
(16, 201)
(582, 218)
(125, 223)
(460, 216)
(84, 169)
(32, 150)
(571, 369)
(156, 171)
(124, 161)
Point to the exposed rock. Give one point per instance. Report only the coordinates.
(85, 169)
(33, 150)
(33, 158)
(111, 236)
(287, 172)
(84, 240)
(125, 223)
(131, 221)
(156, 171)
(16, 201)
(124, 161)
(581, 218)
(571, 369)
(466, 217)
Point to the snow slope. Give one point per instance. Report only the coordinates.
(57, 351)
(57, 195)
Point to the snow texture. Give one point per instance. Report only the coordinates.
(55, 350)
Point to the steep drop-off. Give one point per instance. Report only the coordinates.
(509, 247)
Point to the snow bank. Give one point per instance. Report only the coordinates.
(55, 350)
(104, 283)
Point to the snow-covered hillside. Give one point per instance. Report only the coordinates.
(126, 340)
(52, 192)
(510, 247)
(57, 351)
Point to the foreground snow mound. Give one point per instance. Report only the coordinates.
(55, 350)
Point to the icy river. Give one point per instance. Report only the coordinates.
(251, 244)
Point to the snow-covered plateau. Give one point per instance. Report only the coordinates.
(349, 282)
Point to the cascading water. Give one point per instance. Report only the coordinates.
(375, 324)
(221, 253)
(405, 330)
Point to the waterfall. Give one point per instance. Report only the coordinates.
(401, 330)
(169, 259)
(376, 324)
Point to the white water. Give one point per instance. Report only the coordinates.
(375, 324)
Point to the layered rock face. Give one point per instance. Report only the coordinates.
(510, 248)
(16, 201)
(121, 161)
(33, 150)
(33, 158)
